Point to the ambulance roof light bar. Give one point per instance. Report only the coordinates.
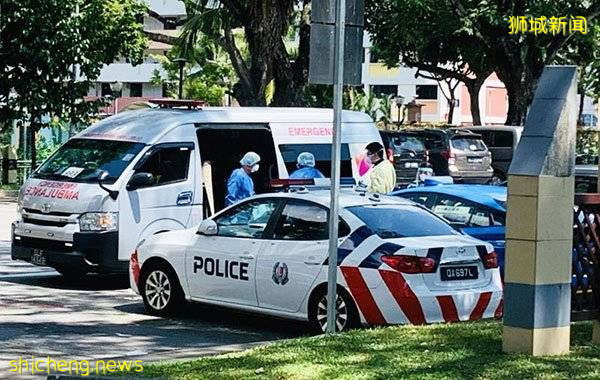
(178, 103)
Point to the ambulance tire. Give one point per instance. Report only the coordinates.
(347, 312)
(160, 289)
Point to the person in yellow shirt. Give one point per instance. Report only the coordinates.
(382, 178)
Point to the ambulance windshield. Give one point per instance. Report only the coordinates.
(82, 160)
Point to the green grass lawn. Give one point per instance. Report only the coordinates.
(455, 351)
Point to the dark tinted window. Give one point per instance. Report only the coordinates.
(396, 221)
(135, 89)
(408, 143)
(82, 160)
(167, 165)
(322, 153)
(248, 220)
(427, 92)
(382, 90)
(105, 89)
(417, 197)
(301, 220)
(433, 141)
(502, 139)
(467, 143)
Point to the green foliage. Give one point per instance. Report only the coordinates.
(207, 74)
(379, 108)
(42, 42)
(587, 142)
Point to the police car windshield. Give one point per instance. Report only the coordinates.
(398, 221)
(82, 160)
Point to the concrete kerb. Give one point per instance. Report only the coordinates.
(173, 356)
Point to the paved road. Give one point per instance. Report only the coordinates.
(42, 314)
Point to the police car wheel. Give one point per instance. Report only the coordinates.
(160, 290)
(346, 313)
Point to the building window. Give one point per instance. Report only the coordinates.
(427, 92)
(106, 91)
(383, 90)
(135, 90)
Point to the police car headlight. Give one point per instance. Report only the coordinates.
(99, 221)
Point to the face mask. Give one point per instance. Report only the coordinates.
(254, 168)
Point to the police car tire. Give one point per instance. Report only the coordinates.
(156, 274)
(353, 319)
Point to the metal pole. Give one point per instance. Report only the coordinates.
(181, 80)
(338, 82)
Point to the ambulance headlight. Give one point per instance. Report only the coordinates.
(99, 221)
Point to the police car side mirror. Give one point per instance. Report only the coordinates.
(140, 180)
(207, 227)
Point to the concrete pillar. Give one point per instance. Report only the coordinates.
(539, 231)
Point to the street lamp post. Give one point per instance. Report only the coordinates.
(399, 102)
(181, 62)
(116, 88)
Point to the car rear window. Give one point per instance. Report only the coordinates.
(408, 143)
(467, 143)
(398, 221)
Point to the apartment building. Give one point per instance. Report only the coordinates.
(377, 78)
(136, 81)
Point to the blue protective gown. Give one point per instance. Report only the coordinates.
(239, 186)
(306, 172)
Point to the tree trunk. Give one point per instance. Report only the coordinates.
(32, 147)
(474, 87)
(518, 100)
(451, 109)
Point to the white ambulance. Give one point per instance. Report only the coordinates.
(145, 172)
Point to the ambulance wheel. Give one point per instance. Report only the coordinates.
(160, 290)
(347, 314)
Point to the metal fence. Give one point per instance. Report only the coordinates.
(585, 280)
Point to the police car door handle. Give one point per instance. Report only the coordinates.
(247, 257)
(184, 198)
(312, 263)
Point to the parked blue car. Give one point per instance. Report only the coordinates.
(478, 210)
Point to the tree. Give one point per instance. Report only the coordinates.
(430, 39)
(477, 33)
(265, 23)
(585, 53)
(52, 50)
(207, 74)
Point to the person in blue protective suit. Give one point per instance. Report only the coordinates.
(306, 167)
(240, 185)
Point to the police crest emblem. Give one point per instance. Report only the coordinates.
(280, 273)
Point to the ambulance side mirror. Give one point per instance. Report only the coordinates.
(207, 227)
(140, 180)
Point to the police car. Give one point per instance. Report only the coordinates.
(398, 263)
